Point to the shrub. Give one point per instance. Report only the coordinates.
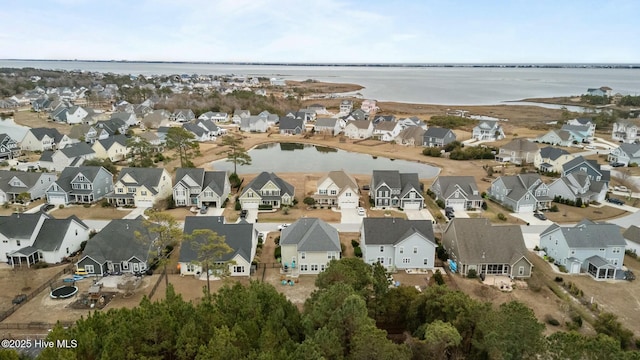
(439, 279)
(238, 207)
(551, 320)
(440, 203)
(277, 253)
(502, 217)
(309, 201)
(357, 251)
(558, 279)
(563, 268)
(554, 208)
(40, 265)
(355, 243)
(285, 210)
(277, 240)
(442, 253)
(266, 207)
(472, 274)
(105, 203)
(342, 248)
(86, 206)
(61, 206)
(484, 205)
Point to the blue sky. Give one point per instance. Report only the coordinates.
(372, 31)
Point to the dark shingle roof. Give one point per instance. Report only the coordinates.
(238, 236)
(588, 234)
(20, 226)
(436, 132)
(259, 181)
(52, 233)
(385, 231)
(118, 242)
(39, 133)
(632, 234)
(69, 173)
(311, 234)
(150, 177)
(552, 153)
(288, 123)
(108, 142)
(77, 149)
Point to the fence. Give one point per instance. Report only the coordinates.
(35, 292)
(155, 286)
(33, 325)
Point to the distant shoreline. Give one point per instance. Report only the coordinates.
(406, 65)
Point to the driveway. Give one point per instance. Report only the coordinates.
(530, 219)
(350, 216)
(423, 214)
(212, 212)
(135, 213)
(252, 216)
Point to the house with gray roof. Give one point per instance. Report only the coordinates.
(338, 189)
(581, 133)
(122, 246)
(626, 131)
(588, 247)
(210, 127)
(199, 134)
(60, 238)
(411, 136)
(584, 122)
(140, 187)
(488, 130)
(240, 114)
(398, 243)
(14, 183)
(17, 232)
(518, 151)
(551, 159)
(390, 188)
(457, 192)
(272, 119)
(266, 190)
(308, 245)
(182, 115)
(386, 130)
(41, 139)
(475, 245)
(291, 126)
(128, 118)
(591, 167)
(521, 193)
(626, 154)
(412, 121)
(241, 237)
(632, 238)
(558, 137)
(113, 126)
(197, 187)
(156, 119)
(88, 133)
(80, 185)
(9, 147)
(253, 124)
(214, 116)
(358, 129)
(113, 148)
(71, 155)
(330, 126)
(578, 185)
(435, 137)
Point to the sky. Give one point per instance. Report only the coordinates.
(324, 31)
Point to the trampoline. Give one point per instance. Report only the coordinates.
(63, 292)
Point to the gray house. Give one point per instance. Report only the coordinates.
(266, 190)
(390, 188)
(626, 153)
(291, 126)
(591, 167)
(9, 148)
(578, 185)
(474, 244)
(14, 183)
(197, 187)
(517, 151)
(632, 237)
(327, 126)
(597, 249)
(557, 137)
(435, 136)
(118, 248)
(308, 245)
(398, 243)
(80, 185)
(521, 193)
(457, 192)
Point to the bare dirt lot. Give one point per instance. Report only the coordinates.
(94, 212)
(572, 214)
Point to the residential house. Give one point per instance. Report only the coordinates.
(488, 130)
(31, 238)
(214, 116)
(113, 126)
(632, 238)
(277, 82)
(591, 167)
(71, 155)
(122, 246)
(357, 114)
(330, 126)
(238, 115)
(291, 126)
(266, 190)
(182, 115)
(80, 185)
(626, 154)
(358, 129)
(41, 104)
(254, 124)
(601, 91)
(88, 133)
(303, 115)
(596, 249)
(581, 133)
(626, 130)
(475, 245)
(412, 121)
(129, 118)
(390, 188)
(518, 151)
(558, 137)
(578, 185)
(9, 148)
(157, 119)
(154, 140)
(140, 187)
(113, 148)
(14, 183)
(76, 115)
(241, 237)
(338, 189)
(346, 106)
(383, 118)
(584, 122)
(317, 108)
(272, 119)
(398, 243)
(308, 245)
(551, 159)
(59, 114)
(197, 187)
(41, 139)
(369, 106)
(457, 192)
(200, 134)
(521, 193)
(211, 127)
(411, 136)
(386, 130)
(435, 137)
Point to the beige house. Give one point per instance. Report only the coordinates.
(113, 148)
(339, 189)
(518, 151)
(359, 129)
(551, 159)
(140, 187)
(308, 245)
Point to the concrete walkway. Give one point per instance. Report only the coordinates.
(135, 213)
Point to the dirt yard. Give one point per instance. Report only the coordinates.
(8, 209)
(572, 214)
(94, 212)
(14, 281)
(26, 117)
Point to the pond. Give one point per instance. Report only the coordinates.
(295, 157)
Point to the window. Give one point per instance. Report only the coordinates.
(347, 194)
(314, 267)
(89, 269)
(406, 260)
(67, 250)
(238, 269)
(322, 267)
(131, 190)
(125, 265)
(381, 260)
(304, 267)
(331, 255)
(425, 261)
(616, 250)
(521, 270)
(143, 193)
(120, 190)
(401, 250)
(18, 242)
(415, 249)
(303, 255)
(381, 248)
(573, 252)
(527, 197)
(333, 192)
(602, 250)
(191, 267)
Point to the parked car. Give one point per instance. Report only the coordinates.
(617, 164)
(243, 214)
(361, 211)
(19, 299)
(615, 201)
(590, 147)
(283, 226)
(540, 216)
(46, 207)
(204, 210)
(365, 187)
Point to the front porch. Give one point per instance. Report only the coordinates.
(120, 200)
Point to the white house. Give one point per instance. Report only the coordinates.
(339, 189)
(359, 129)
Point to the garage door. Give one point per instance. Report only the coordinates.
(346, 204)
(526, 208)
(56, 200)
(144, 203)
(457, 204)
(250, 204)
(411, 206)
